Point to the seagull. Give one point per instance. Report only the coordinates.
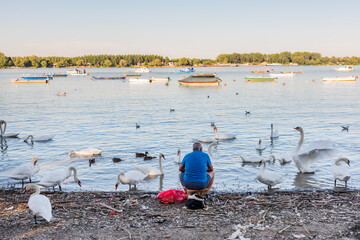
(212, 124)
(137, 126)
(247, 112)
(345, 128)
(172, 109)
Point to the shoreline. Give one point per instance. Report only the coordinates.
(262, 215)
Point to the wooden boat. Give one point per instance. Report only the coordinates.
(345, 69)
(201, 79)
(17, 80)
(108, 78)
(341, 79)
(154, 79)
(260, 79)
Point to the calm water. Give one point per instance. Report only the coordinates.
(102, 114)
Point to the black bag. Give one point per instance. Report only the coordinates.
(195, 202)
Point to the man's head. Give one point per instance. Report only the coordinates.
(197, 146)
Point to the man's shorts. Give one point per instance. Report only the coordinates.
(194, 185)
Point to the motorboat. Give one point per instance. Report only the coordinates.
(57, 75)
(201, 79)
(77, 72)
(266, 70)
(142, 70)
(42, 77)
(341, 79)
(18, 80)
(345, 68)
(108, 78)
(290, 74)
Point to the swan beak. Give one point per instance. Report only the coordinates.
(116, 186)
(348, 163)
(260, 164)
(79, 183)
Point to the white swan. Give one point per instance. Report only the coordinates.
(39, 204)
(285, 158)
(179, 157)
(274, 133)
(223, 137)
(256, 158)
(89, 152)
(26, 170)
(150, 171)
(214, 143)
(131, 177)
(206, 139)
(260, 145)
(341, 172)
(268, 178)
(43, 138)
(3, 130)
(310, 153)
(58, 176)
(61, 93)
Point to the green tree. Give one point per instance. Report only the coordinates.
(122, 63)
(107, 63)
(44, 63)
(3, 60)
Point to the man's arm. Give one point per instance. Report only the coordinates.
(210, 168)
(181, 168)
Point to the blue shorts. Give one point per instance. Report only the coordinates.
(194, 185)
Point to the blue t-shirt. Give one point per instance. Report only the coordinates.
(196, 164)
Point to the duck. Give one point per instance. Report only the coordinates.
(268, 178)
(274, 133)
(172, 109)
(43, 138)
(285, 158)
(149, 157)
(150, 171)
(345, 128)
(58, 176)
(223, 137)
(61, 93)
(179, 158)
(341, 172)
(310, 153)
(91, 161)
(260, 145)
(141, 154)
(26, 170)
(247, 112)
(116, 159)
(131, 177)
(89, 152)
(3, 130)
(256, 158)
(137, 126)
(39, 205)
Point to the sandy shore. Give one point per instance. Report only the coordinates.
(276, 215)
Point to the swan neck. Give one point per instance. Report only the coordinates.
(301, 140)
(37, 190)
(160, 166)
(264, 166)
(1, 128)
(217, 133)
(337, 162)
(75, 173)
(209, 151)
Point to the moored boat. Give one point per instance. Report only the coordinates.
(77, 72)
(108, 78)
(297, 72)
(281, 74)
(260, 79)
(201, 80)
(131, 75)
(345, 68)
(266, 70)
(57, 75)
(342, 79)
(153, 79)
(35, 77)
(142, 70)
(17, 80)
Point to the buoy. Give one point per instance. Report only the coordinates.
(167, 84)
(184, 76)
(356, 77)
(283, 84)
(313, 80)
(224, 84)
(234, 80)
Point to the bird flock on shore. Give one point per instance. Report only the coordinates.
(303, 158)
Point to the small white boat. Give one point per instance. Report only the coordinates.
(345, 68)
(77, 72)
(281, 74)
(138, 80)
(201, 79)
(164, 79)
(341, 79)
(142, 70)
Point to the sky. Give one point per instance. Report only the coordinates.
(194, 29)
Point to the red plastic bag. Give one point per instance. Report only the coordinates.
(172, 196)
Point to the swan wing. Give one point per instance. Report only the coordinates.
(252, 159)
(40, 205)
(136, 176)
(23, 171)
(54, 177)
(341, 173)
(206, 140)
(44, 138)
(144, 169)
(269, 178)
(317, 145)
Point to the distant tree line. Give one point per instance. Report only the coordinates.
(301, 58)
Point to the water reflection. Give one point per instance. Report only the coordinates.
(305, 180)
(3, 145)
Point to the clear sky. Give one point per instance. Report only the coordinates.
(201, 29)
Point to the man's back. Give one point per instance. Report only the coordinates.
(196, 164)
